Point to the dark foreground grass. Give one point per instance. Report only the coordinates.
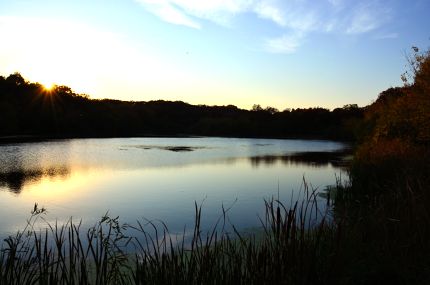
(294, 243)
(386, 212)
(368, 238)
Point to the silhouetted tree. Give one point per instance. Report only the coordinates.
(16, 79)
(257, 108)
(271, 110)
(29, 109)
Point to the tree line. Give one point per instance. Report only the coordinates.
(28, 108)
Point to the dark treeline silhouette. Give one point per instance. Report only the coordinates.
(30, 109)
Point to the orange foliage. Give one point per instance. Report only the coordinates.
(383, 150)
(398, 122)
(403, 113)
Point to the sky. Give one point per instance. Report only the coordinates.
(280, 53)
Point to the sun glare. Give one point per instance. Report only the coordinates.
(48, 86)
(86, 59)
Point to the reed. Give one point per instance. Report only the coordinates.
(357, 237)
(289, 250)
(386, 221)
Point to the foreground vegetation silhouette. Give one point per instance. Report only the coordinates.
(386, 229)
(378, 231)
(287, 250)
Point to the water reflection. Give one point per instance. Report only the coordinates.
(158, 178)
(16, 180)
(337, 159)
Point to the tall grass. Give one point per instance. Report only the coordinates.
(362, 237)
(386, 221)
(64, 254)
(291, 249)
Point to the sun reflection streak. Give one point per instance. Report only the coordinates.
(61, 189)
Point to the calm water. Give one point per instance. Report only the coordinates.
(156, 178)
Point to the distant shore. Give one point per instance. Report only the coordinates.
(38, 138)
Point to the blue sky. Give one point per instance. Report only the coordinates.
(281, 53)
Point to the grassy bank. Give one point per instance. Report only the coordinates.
(386, 223)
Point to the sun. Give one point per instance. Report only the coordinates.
(48, 86)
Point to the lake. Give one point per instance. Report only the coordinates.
(159, 178)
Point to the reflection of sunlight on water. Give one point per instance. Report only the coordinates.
(96, 176)
(59, 189)
(61, 195)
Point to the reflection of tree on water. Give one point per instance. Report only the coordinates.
(28, 162)
(15, 180)
(313, 158)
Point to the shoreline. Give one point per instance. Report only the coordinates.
(40, 138)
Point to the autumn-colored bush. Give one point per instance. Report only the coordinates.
(397, 124)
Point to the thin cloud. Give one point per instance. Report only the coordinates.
(361, 23)
(289, 15)
(218, 11)
(182, 12)
(295, 15)
(367, 17)
(168, 13)
(286, 44)
(295, 18)
(266, 11)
